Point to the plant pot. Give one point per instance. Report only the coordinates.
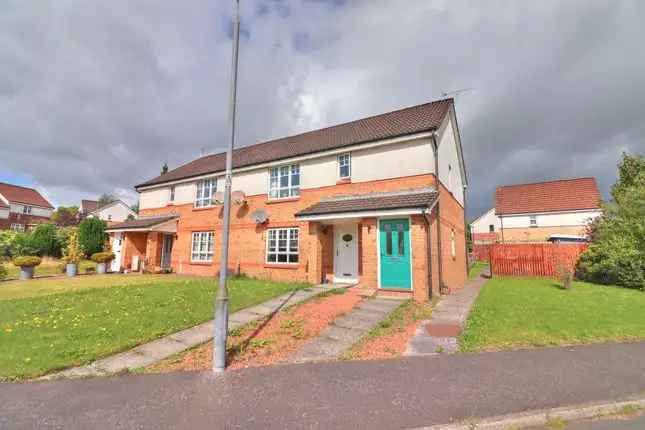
(71, 270)
(101, 268)
(26, 272)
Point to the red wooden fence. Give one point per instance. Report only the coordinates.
(533, 259)
(481, 251)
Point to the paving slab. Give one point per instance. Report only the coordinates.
(152, 352)
(345, 331)
(439, 333)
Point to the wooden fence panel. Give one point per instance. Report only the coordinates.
(533, 259)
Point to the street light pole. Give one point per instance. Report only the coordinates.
(220, 327)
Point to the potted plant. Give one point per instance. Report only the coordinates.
(27, 264)
(73, 254)
(102, 259)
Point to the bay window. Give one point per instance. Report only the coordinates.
(282, 245)
(284, 181)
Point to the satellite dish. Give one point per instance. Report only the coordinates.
(238, 197)
(260, 216)
(218, 198)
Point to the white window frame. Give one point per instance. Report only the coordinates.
(276, 189)
(26, 210)
(203, 252)
(17, 227)
(288, 250)
(171, 198)
(533, 221)
(341, 157)
(201, 199)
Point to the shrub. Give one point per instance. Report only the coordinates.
(7, 242)
(91, 235)
(22, 245)
(74, 251)
(103, 257)
(27, 261)
(62, 236)
(615, 255)
(3, 272)
(44, 239)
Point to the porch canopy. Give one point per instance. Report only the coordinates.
(404, 202)
(161, 224)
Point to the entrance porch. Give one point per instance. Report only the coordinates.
(144, 244)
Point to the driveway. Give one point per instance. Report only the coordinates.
(400, 393)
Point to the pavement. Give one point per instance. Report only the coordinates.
(388, 394)
(346, 330)
(152, 352)
(439, 333)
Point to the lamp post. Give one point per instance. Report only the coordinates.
(220, 327)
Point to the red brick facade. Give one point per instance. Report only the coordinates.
(28, 221)
(316, 251)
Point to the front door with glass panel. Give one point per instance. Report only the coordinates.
(345, 253)
(117, 246)
(166, 252)
(394, 244)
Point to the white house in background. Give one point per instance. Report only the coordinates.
(117, 211)
(557, 210)
(486, 227)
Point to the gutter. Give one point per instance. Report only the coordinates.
(435, 148)
(426, 216)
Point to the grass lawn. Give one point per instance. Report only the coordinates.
(46, 268)
(476, 269)
(520, 312)
(50, 332)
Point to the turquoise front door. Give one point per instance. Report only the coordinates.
(394, 244)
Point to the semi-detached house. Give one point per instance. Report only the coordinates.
(377, 201)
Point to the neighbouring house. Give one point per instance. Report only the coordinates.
(115, 211)
(378, 201)
(545, 211)
(22, 208)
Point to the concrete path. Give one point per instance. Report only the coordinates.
(439, 334)
(346, 330)
(408, 392)
(151, 352)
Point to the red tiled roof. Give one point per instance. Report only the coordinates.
(415, 119)
(376, 201)
(552, 196)
(141, 223)
(18, 194)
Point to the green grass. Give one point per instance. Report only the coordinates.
(521, 312)
(46, 333)
(46, 268)
(476, 269)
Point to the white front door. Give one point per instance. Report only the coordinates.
(346, 253)
(117, 246)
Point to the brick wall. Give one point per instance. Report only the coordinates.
(24, 219)
(452, 220)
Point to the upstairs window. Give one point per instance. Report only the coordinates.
(205, 191)
(491, 228)
(344, 166)
(284, 181)
(26, 209)
(172, 193)
(533, 221)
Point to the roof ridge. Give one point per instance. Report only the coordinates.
(551, 181)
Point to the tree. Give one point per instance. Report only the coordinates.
(44, 240)
(65, 216)
(615, 255)
(135, 207)
(106, 199)
(91, 235)
(74, 250)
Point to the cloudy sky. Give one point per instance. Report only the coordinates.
(96, 95)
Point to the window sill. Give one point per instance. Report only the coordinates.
(201, 263)
(294, 266)
(205, 208)
(344, 181)
(286, 199)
